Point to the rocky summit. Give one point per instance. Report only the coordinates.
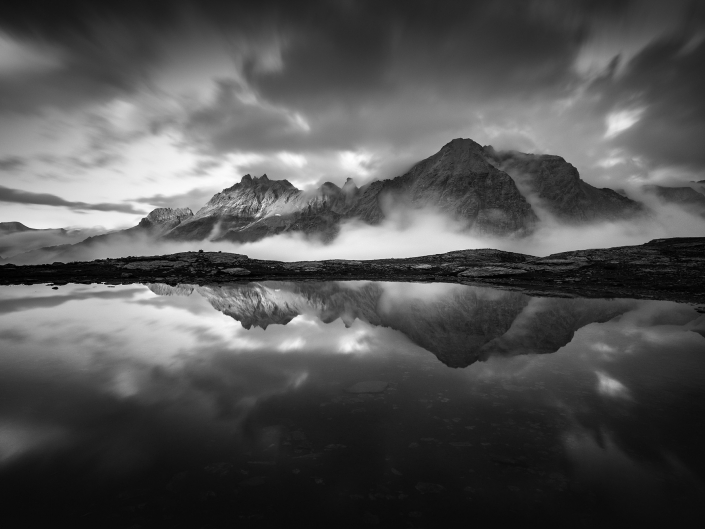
(161, 220)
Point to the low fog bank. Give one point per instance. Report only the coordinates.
(404, 234)
(429, 233)
(25, 241)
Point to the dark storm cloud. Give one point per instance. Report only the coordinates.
(667, 80)
(229, 122)
(335, 54)
(364, 72)
(320, 76)
(344, 52)
(79, 51)
(11, 163)
(18, 196)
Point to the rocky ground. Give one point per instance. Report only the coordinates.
(667, 269)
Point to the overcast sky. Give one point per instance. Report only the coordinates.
(109, 109)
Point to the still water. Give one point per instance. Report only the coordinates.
(347, 404)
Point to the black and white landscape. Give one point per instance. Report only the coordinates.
(349, 263)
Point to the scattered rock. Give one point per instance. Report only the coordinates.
(488, 271)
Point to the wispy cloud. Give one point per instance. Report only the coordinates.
(18, 196)
(195, 198)
(11, 163)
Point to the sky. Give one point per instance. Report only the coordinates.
(110, 109)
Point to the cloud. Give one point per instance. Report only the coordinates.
(309, 80)
(666, 83)
(11, 163)
(195, 198)
(611, 387)
(25, 241)
(618, 122)
(235, 122)
(18, 196)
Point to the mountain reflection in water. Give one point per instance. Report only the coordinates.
(144, 406)
(459, 324)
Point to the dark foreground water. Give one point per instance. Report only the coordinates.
(347, 405)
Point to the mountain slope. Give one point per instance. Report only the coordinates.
(559, 189)
(684, 197)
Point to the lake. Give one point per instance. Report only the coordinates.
(347, 404)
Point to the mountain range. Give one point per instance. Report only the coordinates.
(475, 185)
(15, 237)
(499, 193)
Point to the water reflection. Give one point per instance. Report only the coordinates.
(459, 324)
(145, 406)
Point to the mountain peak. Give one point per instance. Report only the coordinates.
(462, 144)
(159, 215)
(349, 186)
(12, 227)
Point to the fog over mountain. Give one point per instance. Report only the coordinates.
(323, 129)
(464, 196)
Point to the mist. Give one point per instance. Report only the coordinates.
(25, 241)
(404, 233)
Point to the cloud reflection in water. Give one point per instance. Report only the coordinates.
(115, 380)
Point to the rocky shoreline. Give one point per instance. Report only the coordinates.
(663, 269)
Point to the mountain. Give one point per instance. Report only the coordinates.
(488, 191)
(684, 197)
(457, 180)
(15, 237)
(479, 186)
(558, 188)
(18, 227)
(153, 226)
(161, 220)
(458, 324)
